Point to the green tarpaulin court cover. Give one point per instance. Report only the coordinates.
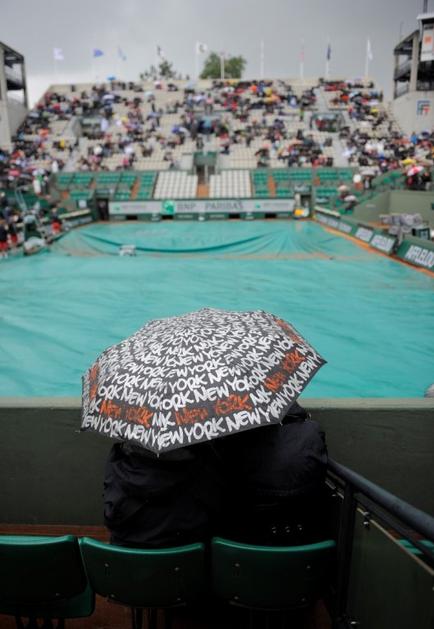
(371, 317)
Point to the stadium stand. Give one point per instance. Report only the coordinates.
(176, 185)
(230, 183)
(335, 141)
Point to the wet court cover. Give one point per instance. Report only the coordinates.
(368, 315)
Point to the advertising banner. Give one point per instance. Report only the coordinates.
(332, 219)
(201, 206)
(364, 233)
(383, 242)
(427, 48)
(418, 255)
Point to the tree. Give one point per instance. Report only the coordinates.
(234, 67)
(164, 70)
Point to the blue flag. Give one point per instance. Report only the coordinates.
(97, 52)
(111, 78)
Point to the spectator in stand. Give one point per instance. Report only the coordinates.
(4, 247)
(13, 234)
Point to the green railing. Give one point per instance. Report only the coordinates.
(385, 557)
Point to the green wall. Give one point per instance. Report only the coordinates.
(412, 202)
(399, 201)
(371, 209)
(51, 473)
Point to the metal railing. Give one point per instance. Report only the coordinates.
(395, 514)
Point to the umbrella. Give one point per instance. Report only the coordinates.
(368, 171)
(187, 379)
(408, 161)
(414, 170)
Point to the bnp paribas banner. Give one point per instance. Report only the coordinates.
(200, 206)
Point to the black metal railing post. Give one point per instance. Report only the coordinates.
(344, 552)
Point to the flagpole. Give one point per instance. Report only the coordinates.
(92, 67)
(55, 69)
(367, 59)
(262, 60)
(327, 68)
(118, 72)
(196, 62)
(302, 60)
(222, 66)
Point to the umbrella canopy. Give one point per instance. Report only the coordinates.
(196, 377)
(414, 170)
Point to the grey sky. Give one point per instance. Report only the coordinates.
(34, 27)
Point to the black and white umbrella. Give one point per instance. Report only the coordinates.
(196, 377)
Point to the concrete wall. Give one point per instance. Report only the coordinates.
(400, 201)
(414, 111)
(371, 209)
(17, 113)
(52, 474)
(413, 202)
(5, 140)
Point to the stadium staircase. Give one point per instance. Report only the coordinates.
(202, 191)
(339, 158)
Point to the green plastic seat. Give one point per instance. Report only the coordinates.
(270, 578)
(43, 577)
(142, 578)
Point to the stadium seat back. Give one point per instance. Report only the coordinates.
(270, 578)
(145, 578)
(43, 577)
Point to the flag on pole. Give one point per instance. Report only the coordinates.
(58, 54)
(369, 54)
(329, 52)
(121, 54)
(160, 52)
(97, 52)
(201, 48)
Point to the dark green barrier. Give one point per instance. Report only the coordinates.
(414, 250)
(52, 474)
(417, 251)
(383, 242)
(336, 221)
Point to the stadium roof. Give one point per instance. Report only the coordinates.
(11, 56)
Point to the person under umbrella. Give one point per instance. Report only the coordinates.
(275, 483)
(204, 378)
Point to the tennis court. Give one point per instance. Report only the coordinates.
(369, 316)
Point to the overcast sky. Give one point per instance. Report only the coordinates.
(34, 27)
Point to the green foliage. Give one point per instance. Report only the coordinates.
(234, 67)
(165, 70)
